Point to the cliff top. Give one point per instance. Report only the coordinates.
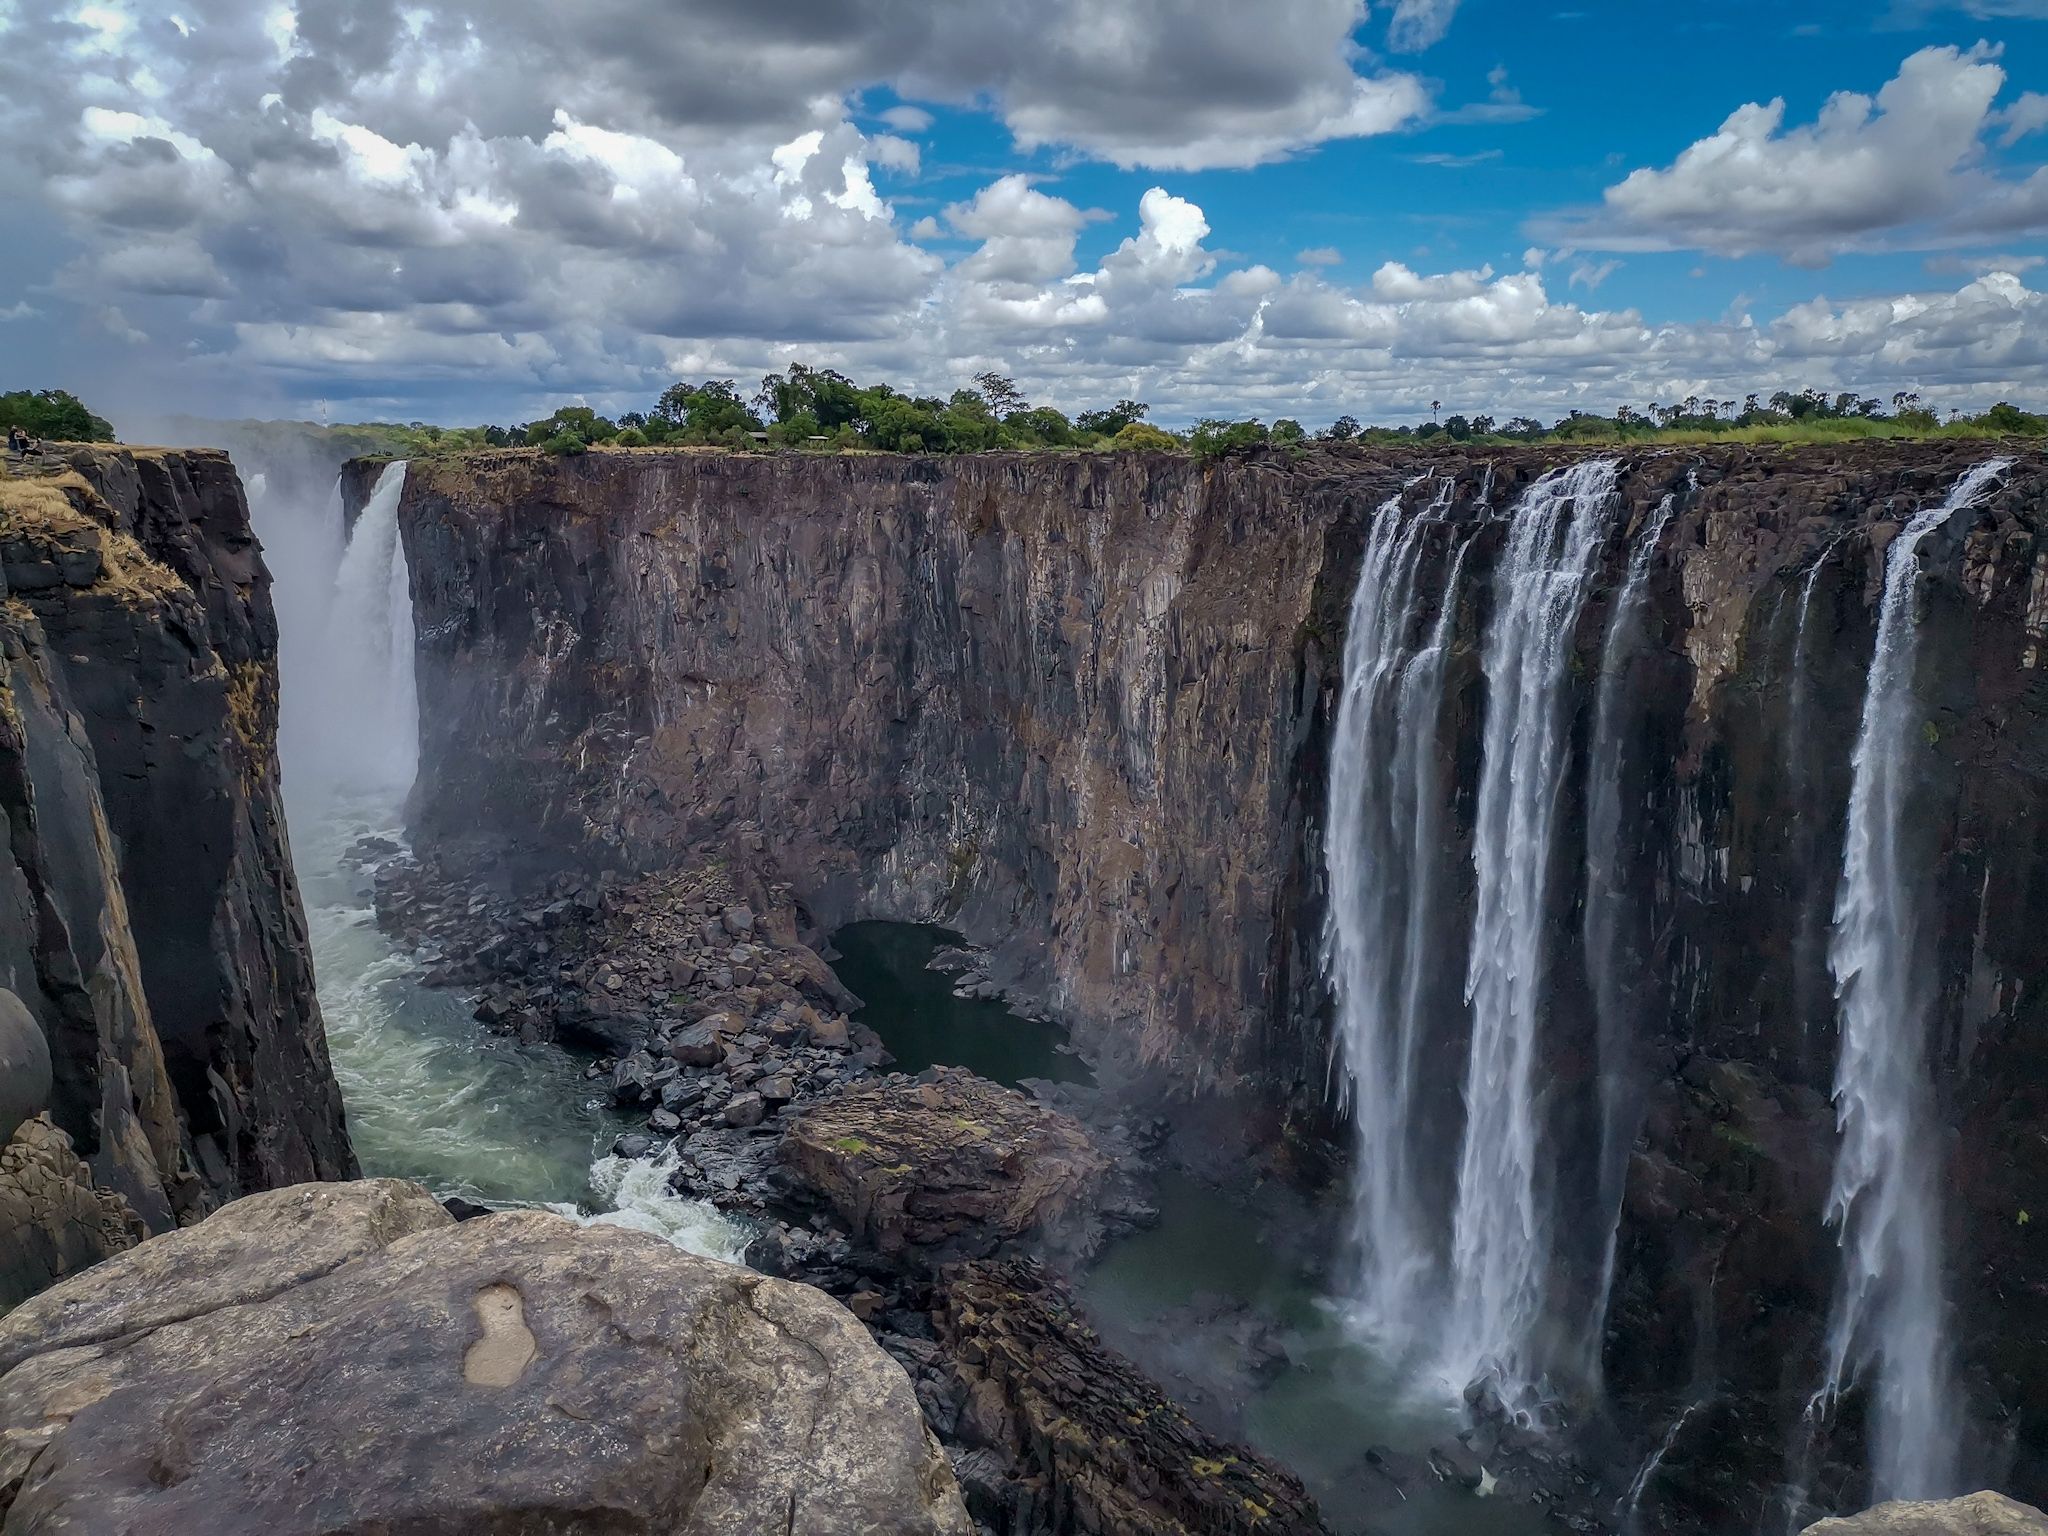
(57, 532)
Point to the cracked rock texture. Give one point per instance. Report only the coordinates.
(346, 1359)
(150, 922)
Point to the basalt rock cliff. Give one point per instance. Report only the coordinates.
(150, 922)
(1080, 707)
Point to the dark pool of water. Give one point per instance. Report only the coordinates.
(1181, 1297)
(924, 1025)
(1178, 1297)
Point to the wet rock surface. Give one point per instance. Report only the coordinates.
(552, 1378)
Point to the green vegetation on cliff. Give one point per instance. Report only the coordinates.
(54, 415)
(822, 409)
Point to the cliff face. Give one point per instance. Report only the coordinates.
(151, 923)
(1056, 701)
(1082, 708)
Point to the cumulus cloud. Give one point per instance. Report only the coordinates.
(1901, 169)
(456, 210)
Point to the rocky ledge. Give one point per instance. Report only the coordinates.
(347, 1359)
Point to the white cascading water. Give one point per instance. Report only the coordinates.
(427, 1096)
(1609, 850)
(368, 709)
(1382, 862)
(1888, 1331)
(1500, 1234)
(1453, 1260)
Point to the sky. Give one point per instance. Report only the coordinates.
(477, 211)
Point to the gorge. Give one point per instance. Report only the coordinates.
(1577, 908)
(1089, 710)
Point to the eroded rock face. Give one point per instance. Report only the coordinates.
(346, 1358)
(1981, 1514)
(945, 1166)
(150, 923)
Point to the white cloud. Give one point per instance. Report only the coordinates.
(1320, 256)
(1900, 169)
(908, 119)
(2027, 115)
(1419, 24)
(1590, 275)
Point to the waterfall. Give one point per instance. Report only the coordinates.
(1382, 860)
(1888, 1319)
(362, 683)
(1500, 1239)
(1453, 1251)
(1611, 845)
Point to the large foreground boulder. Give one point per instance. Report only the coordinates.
(1981, 1514)
(347, 1359)
(947, 1166)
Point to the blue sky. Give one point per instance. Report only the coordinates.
(463, 211)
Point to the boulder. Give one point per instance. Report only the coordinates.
(348, 1359)
(24, 1066)
(746, 1109)
(949, 1167)
(1981, 1514)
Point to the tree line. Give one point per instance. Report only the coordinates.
(807, 407)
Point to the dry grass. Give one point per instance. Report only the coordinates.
(45, 508)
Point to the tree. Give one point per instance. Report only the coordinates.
(1434, 407)
(1112, 421)
(1287, 430)
(1213, 437)
(55, 414)
(1001, 394)
(706, 411)
(1343, 429)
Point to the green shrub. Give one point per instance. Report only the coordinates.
(1144, 436)
(632, 437)
(565, 445)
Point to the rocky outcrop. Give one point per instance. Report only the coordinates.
(947, 1166)
(348, 1359)
(149, 919)
(1098, 1447)
(1981, 1514)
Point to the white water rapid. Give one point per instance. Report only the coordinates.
(429, 1095)
(1889, 1331)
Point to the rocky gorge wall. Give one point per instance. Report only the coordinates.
(150, 923)
(1080, 707)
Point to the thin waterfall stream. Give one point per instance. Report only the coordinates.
(429, 1095)
(1889, 1318)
